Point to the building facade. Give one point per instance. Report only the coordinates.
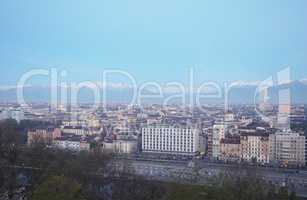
(287, 148)
(43, 135)
(173, 140)
(76, 130)
(121, 146)
(71, 144)
(230, 149)
(218, 133)
(208, 133)
(255, 147)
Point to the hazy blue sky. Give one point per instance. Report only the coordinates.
(154, 40)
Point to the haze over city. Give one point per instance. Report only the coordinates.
(150, 100)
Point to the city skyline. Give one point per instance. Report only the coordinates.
(153, 100)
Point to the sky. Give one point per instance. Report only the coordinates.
(156, 40)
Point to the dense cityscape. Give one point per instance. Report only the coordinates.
(153, 100)
(155, 137)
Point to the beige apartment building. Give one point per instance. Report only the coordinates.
(230, 149)
(255, 147)
(43, 135)
(287, 148)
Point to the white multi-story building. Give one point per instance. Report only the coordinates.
(71, 144)
(76, 130)
(287, 148)
(74, 123)
(218, 133)
(121, 146)
(173, 140)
